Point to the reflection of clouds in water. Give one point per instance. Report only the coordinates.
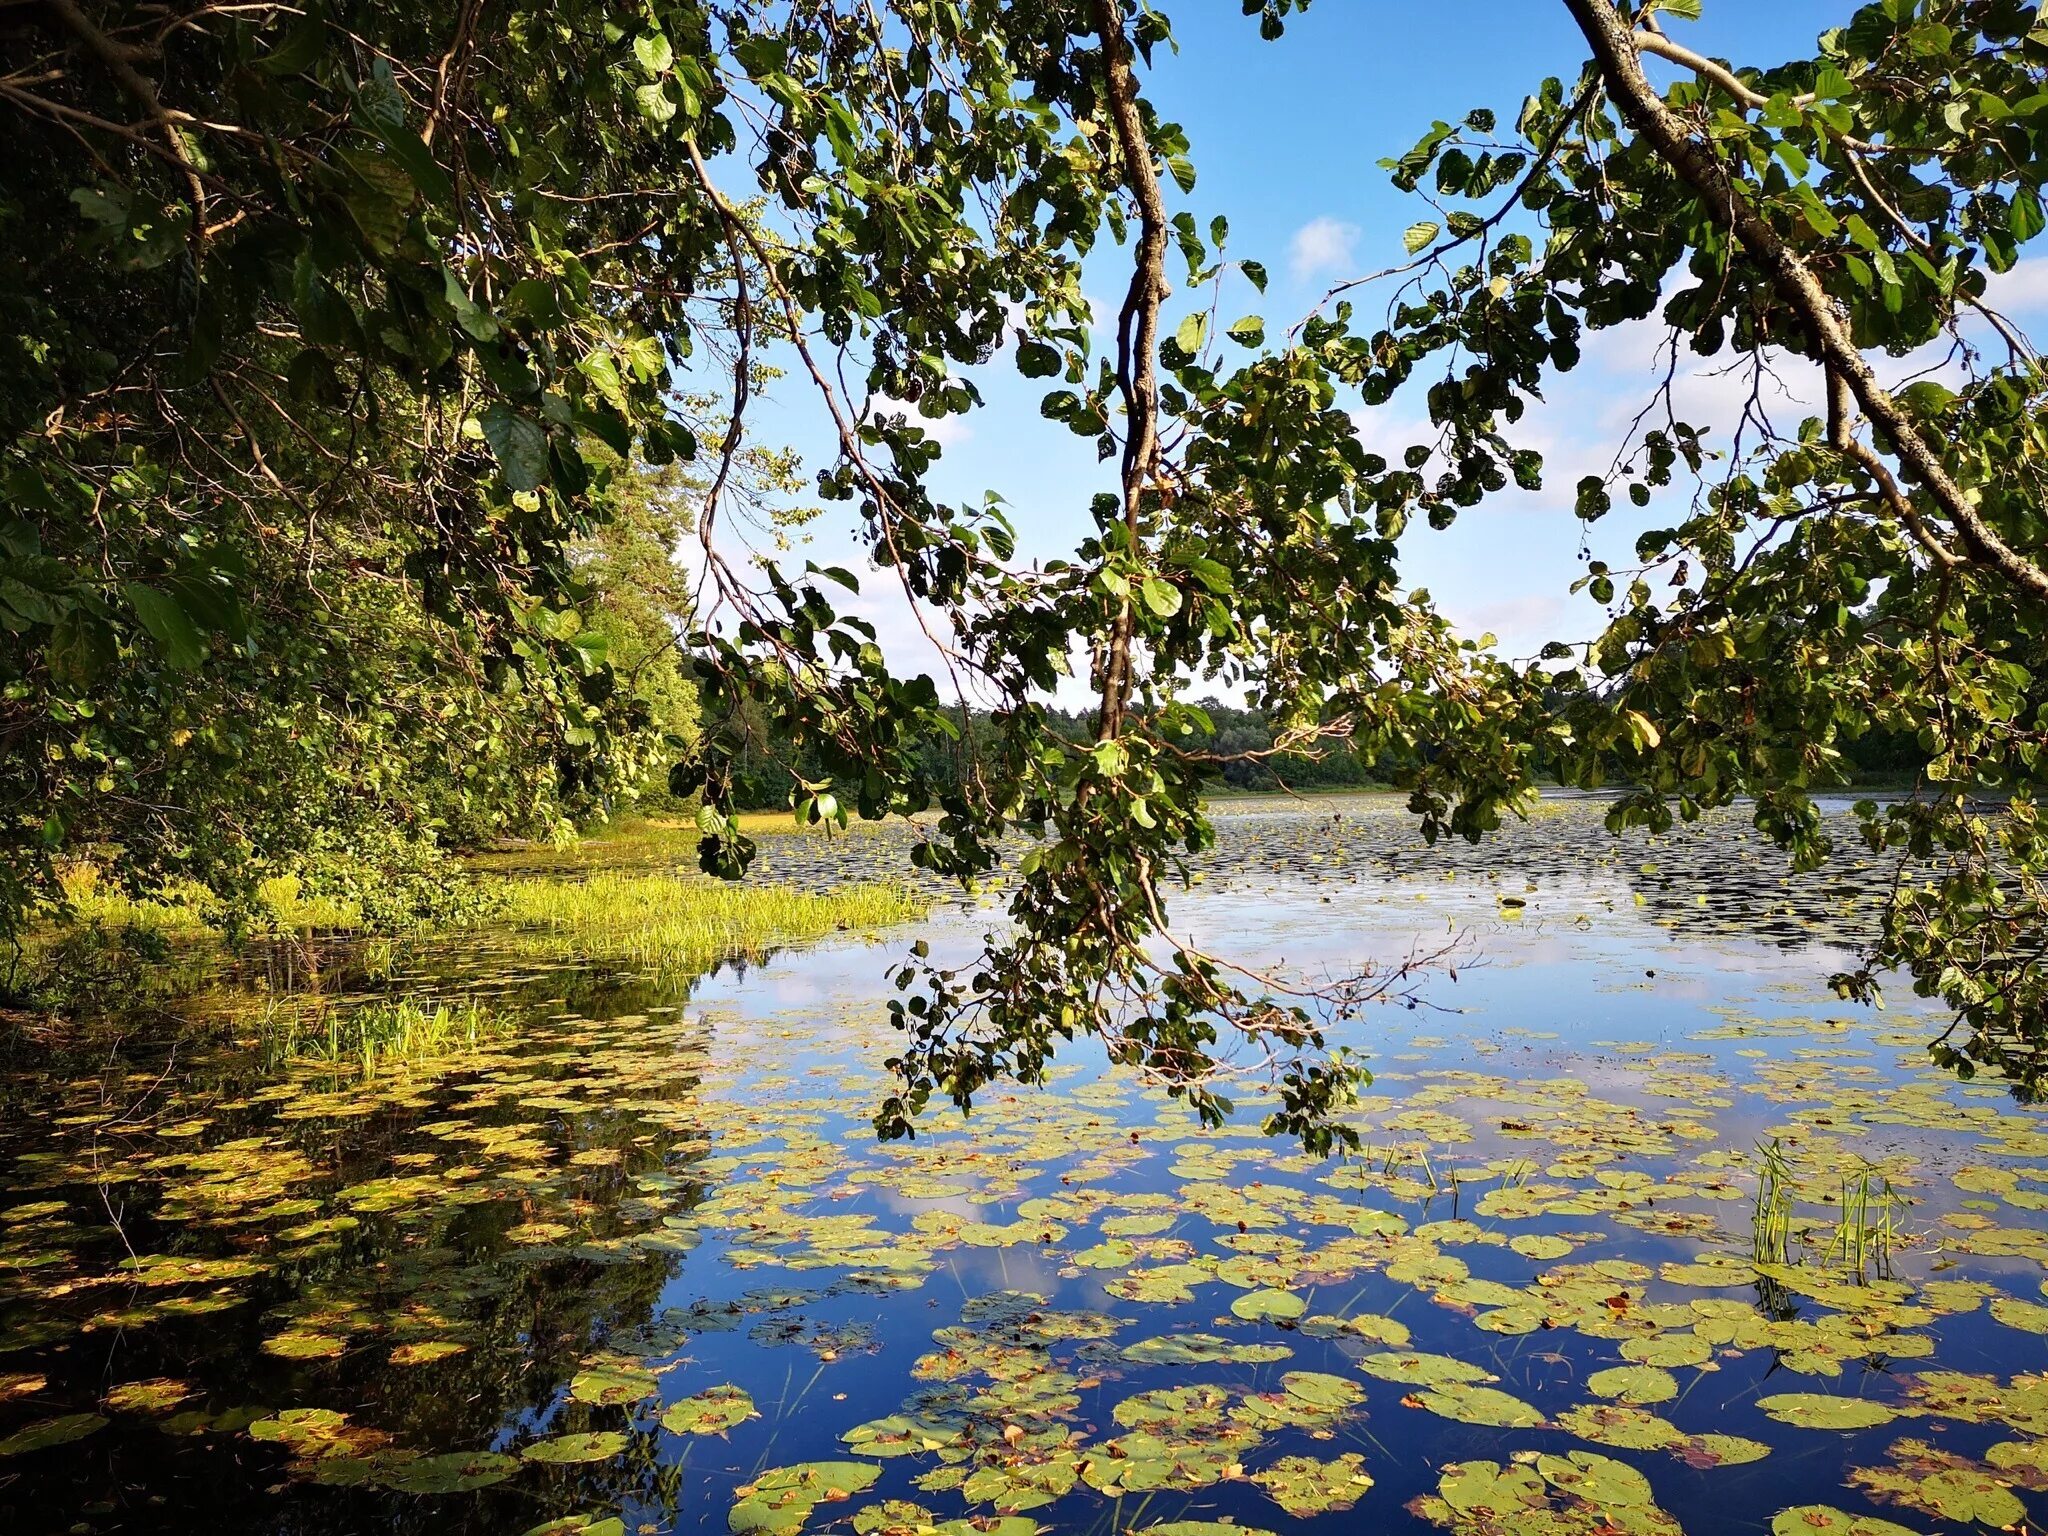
(1567, 1062)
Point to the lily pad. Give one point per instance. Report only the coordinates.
(1819, 1410)
(48, 1432)
(1825, 1520)
(711, 1412)
(1306, 1487)
(1478, 1405)
(575, 1450)
(1201, 1349)
(458, 1472)
(1414, 1368)
(1634, 1384)
(610, 1386)
(1268, 1306)
(782, 1498)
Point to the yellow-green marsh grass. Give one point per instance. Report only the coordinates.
(378, 1036)
(672, 922)
(181, 909)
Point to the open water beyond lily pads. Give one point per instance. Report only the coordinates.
(1651, 1234)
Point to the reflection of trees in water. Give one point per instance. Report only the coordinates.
(430, 1268)
(1717, 877)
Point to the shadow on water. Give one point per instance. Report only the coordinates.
(1648, 1235)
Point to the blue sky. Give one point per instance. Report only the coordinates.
(1287, 138)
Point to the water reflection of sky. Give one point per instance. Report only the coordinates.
(1587, 1032)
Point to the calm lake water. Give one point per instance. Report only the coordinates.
(1652, 1235)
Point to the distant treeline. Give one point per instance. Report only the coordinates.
(762, 770)
(761, 777)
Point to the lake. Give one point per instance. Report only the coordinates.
(1650, 1234)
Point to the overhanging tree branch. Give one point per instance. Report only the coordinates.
(1137, 338)
(1617, 50)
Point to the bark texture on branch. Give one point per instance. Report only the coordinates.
(1617, 52)
(119, 62)
(1137, 340)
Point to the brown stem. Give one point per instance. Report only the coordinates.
(1137, 338)
(1615, 50)
(118, 63)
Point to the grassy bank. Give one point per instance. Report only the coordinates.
(377, 1037)
(670, 923)
(618, 899)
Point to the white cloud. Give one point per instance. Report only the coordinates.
(946, 431)
(2022, 290)
(1520, 624)
(1322, 245)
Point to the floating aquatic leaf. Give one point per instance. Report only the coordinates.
(295, 1345)
(1720, 1451)
(48, 1432)
(606, 1386)
(711, 1412)
(426, 1352)
(1624, 1428)
(1596, 1479)
(1366, 1325)
(1943, 1484)
(1321, 1390)
(1478, 1405)
(1202, 1349)
(1634, 1384)
(897, 1517)
(1165, 1283)
(1824, 1520)
(1305, 1487)
(157, 1395)
(1668, 1349)
(1418, 1369)
(458, 1472)
(2030, 1317)
(1581, 1494)
(782, 1498)
(580, 1525)
(574, 1450)
(1818, 1410)
(1268, 1306)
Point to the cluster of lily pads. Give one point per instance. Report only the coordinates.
(636, 1265)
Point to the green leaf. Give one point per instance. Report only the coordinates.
(169, 625)
(300, 49)
(1819, 1410)
(81, 648)
(520, 443)
(1161, 597)
(2025, 217)
(478, 322)
(655, 104)
(1250, 331)
(1189, 336)
(1268, 1306)
(1419, 237)
(48, 1432)
(655, 54)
